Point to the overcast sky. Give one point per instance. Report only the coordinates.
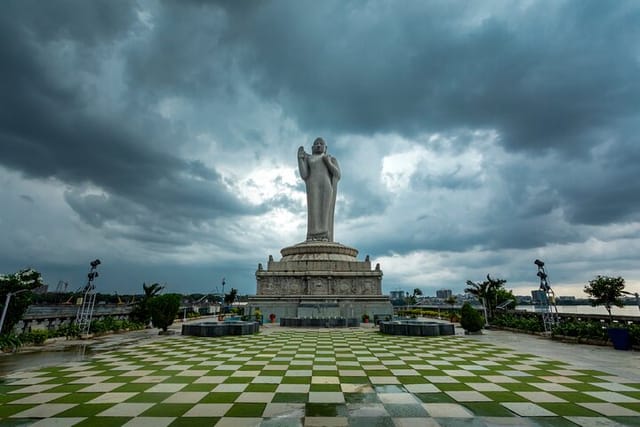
(473, 138)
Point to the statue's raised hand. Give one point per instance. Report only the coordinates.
(301, 153)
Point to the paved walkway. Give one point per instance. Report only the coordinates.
(338, 377)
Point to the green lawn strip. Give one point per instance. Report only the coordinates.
(519, 387)
(85, 410)
(631, 394)
(290, 398)
(8, 398)
(576, 397)
(453, 387)
(504, 396)
(435, 398)
(550, 422)
(76, 398)
(569, 409)
(627, 421)
(103, 422)
(134, 387)
(220, 397)
(246, 410)
(199, 387)
(194, 422)
(325, 387)
(488, 409)
(634, 406)
(261, 388)
(167, 410)
(583, 387)
(8, 410)
(149, 397)
(412, 380)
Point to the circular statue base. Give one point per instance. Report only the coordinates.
(313, 251)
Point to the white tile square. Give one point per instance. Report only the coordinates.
(225, 388)
(266, 380)
(293, 388)
(527, 409)
(610, 409)
(45, 410)
(441, 379)
(486, 387)
(255, 397)
(356, 388)
(614, 387)
(447, 410)
(101, 388)
(113, 397)
(551, 387)
(126, 410)
(468, 396)
(384, 380)
(36, 388)
(422, 388)
(325, 380)
(186, 397)
(58, 422)
(150, 379)
(210, 380)
(284, 410)
(239, 422)
(149, 422)
(165, 388)
(611, 396)
(540, 397)
(326, 397)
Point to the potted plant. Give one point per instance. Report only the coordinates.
(470, 320)
(365, 318)
(607, 291)
(272, 317)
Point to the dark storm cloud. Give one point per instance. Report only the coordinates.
(50, 125)
(546, 76)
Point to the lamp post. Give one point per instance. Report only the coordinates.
(6, 305)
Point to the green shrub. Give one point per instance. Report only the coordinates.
(9, 342)
(164, 309)
(471, 320)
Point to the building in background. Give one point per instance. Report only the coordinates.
(444, 293)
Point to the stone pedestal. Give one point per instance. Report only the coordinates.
(320, 279)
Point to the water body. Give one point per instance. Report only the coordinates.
(627, 310)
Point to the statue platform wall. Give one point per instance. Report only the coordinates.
(320, 279)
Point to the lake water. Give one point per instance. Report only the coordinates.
(627, 310)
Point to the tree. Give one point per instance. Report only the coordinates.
(452, 302)
(231, 296)
(140, 312)
(164, 309)
(470, 319)
(607, 291)
(490, 293)
(20, 285)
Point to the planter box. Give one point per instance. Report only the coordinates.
(620, 338)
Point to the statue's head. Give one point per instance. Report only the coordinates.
(319, 146)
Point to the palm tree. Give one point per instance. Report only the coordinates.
(479, 290)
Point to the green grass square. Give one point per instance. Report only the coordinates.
(576, 397)
(221, 397)
(67, 388)
(453, 387)
(583, 387)
(325, 410)
(167, 410)
(325, 387)
(103, 422)
(261, 387)
(199, 387)
(194, 422)
(76, 398)
(85, 410)
(434, 398)
(290, 398)
(412, 380)
(431, 372)
(504, 396)
(627, 421)
(148, 397)
(133, 387)
(488, 409)
(8, 410)
(569, 410)
(296, 380)
(181, 379)
(246, 410)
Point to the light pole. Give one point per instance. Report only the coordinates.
(6, 305)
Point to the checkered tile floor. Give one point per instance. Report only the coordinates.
(351, 377)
